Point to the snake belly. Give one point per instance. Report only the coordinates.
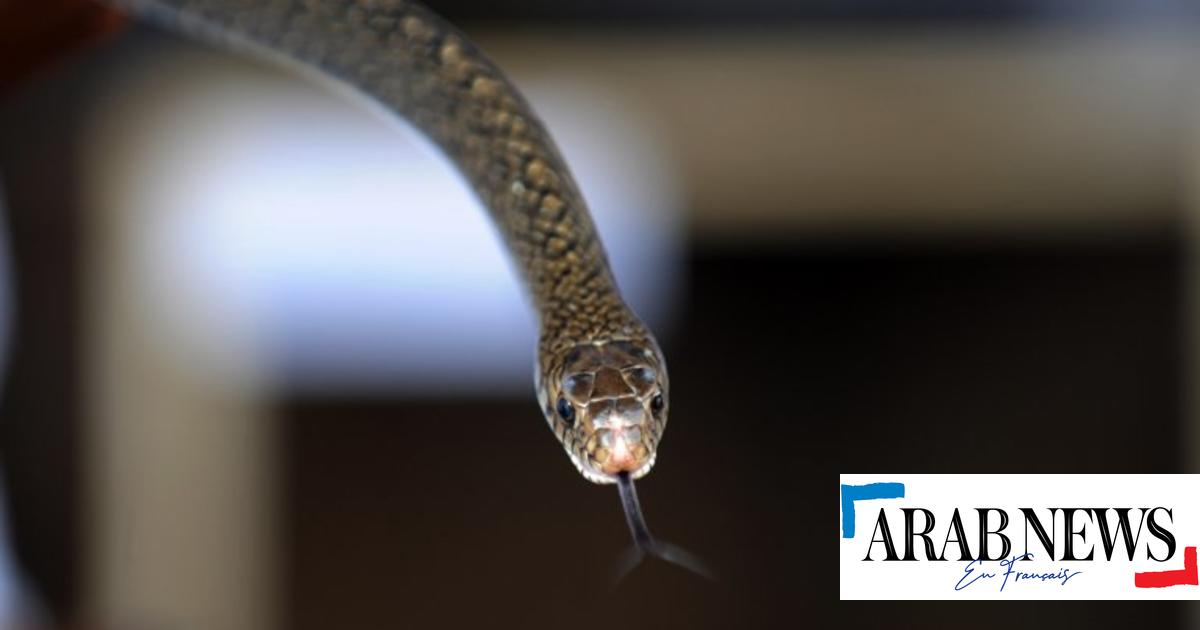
(600, 376)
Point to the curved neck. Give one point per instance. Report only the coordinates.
(417, 65)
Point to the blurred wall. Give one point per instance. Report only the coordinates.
(1002, 130)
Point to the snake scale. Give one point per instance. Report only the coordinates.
(600, 376)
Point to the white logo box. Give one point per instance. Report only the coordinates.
(1159, 507)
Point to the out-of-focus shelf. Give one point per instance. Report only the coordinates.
(1026, 129)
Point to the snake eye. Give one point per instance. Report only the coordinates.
(657, 404)
(566, 411)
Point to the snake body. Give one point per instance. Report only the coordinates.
(600, 376)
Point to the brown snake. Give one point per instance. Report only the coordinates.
(601, 379)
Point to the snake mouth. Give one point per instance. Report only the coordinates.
(593, 473)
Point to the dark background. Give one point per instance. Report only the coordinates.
(795, 363)
(795, 359)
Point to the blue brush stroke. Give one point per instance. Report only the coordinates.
(850, 494)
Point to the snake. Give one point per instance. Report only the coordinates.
(600, 376)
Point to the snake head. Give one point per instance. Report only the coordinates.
(606, 402)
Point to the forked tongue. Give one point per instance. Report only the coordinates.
(644, 544)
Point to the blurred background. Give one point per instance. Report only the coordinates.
(266, 366)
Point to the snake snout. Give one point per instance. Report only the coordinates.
(621, 450)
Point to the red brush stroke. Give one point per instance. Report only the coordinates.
(1163, 579)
